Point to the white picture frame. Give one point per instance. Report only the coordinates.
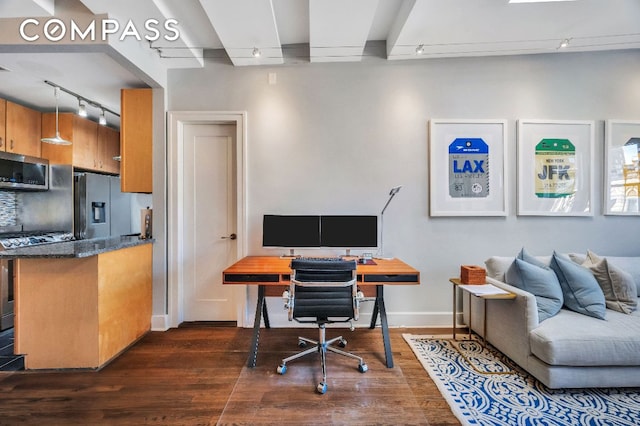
(457, 194)
(622, 168)
(555, 177)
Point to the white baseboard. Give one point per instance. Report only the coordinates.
(160, 322)
(394, 319)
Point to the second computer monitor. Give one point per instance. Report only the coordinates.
(350, 232)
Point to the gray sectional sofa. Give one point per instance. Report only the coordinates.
(567, 349)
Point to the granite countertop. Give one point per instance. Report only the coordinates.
(77, 248)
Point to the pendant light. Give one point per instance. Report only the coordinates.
(57, 140)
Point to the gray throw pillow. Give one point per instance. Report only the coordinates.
(542, 282)
(580, 289)
(618, 286)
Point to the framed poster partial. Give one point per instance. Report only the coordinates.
(555, 176)
(467, 167)
(622, 168)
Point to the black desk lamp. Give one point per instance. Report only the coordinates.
(392, 194)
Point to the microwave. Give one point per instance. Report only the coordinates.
(21, 172)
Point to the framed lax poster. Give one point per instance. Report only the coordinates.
(555, 176)
(467, 167)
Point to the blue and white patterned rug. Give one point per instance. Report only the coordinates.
(509, 396)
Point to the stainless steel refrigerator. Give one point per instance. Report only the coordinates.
(100, 208)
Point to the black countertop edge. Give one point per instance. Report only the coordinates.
(74, 249)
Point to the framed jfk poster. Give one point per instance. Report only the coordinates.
(555, 175)
(467, 167)
(622, 168)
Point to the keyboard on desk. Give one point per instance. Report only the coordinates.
(320, 259)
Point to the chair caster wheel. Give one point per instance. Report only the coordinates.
(342, 343)
(281, 369)
(322, 388)
(363, 368)
(302, 344)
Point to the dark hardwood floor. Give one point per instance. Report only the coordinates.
(187, 376)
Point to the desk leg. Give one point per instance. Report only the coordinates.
(374, 314)
(385, 326)
(261, 309)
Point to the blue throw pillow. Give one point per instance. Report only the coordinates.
(540, 281)
(524, 255)
(580, 289)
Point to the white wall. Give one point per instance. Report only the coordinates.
(334, 138)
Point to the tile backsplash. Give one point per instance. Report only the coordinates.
(8, 208)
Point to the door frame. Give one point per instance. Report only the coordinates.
(175, 206)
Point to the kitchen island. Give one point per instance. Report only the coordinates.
(79, 304)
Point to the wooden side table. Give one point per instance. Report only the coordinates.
(457, 285)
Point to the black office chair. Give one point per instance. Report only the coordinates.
(322, 292)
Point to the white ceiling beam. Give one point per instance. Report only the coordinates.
(174, 54)
(339, 29)
(487, 28)
(26, 8)
(243, 26)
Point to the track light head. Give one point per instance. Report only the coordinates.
(102, 120)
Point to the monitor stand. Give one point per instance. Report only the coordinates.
(291, 255)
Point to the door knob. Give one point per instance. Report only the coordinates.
(230, 237)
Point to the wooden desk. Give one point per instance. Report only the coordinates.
(273, 274)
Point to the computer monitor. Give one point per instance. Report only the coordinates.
(291, 231)
(349, 232)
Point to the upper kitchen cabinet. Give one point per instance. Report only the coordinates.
(22, 131)
(88, 139)
(3, 122)
(136, 140)
(108, 148)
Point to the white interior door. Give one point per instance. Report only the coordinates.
(209, 226)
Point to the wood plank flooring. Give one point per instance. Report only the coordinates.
(196, 376)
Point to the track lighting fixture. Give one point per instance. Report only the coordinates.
(420, 49)
(102, 120)
(256, 52)
(82, 105)
(564, 43)
(82, 108)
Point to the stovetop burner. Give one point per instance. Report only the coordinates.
(11, 240)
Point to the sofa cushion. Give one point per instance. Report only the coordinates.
(630, 265)
(580, 289)
(618, 286)
(573, 339)
(539, 281)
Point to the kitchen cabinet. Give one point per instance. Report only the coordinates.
(3, 122)
(136, 140)
(22, 130)
(91, 143)
(82, 312)
(108, 147)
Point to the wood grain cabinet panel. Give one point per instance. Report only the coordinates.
(108, 148)
(82, 312)
(3, 123)
(23, 130)
(136, 140)
(93, 146)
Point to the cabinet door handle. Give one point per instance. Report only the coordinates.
(11, 143)
(1, 142)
